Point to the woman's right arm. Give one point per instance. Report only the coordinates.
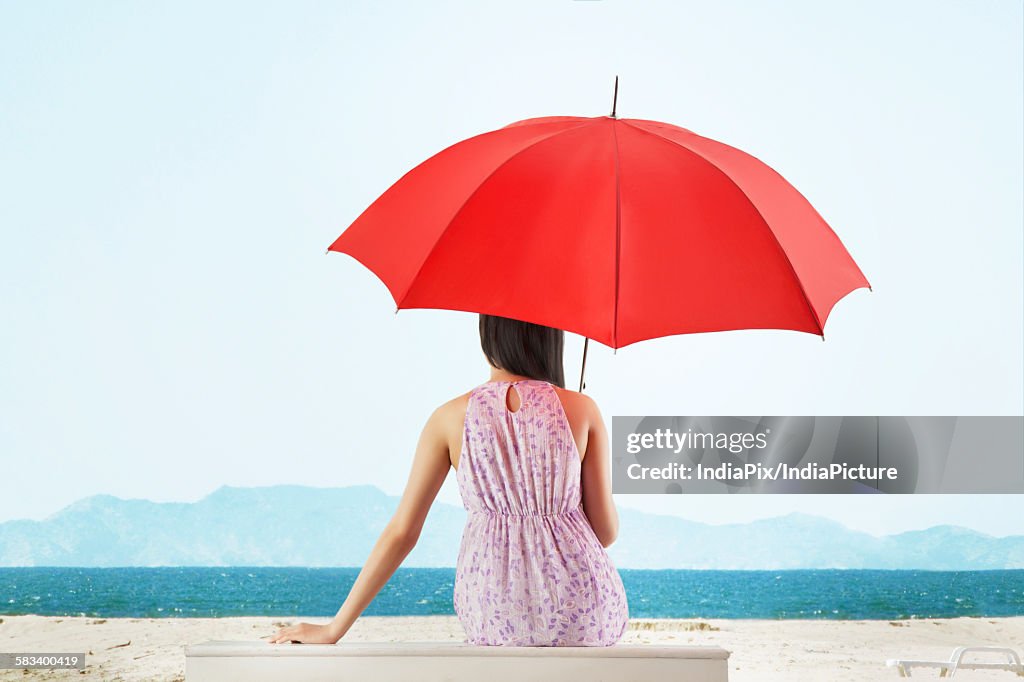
(596, 479)
(429, 468)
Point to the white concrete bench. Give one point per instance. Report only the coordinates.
(451, 662)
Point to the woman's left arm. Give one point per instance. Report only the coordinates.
(429, 469)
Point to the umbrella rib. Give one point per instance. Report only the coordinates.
(618, 239)
(785, 256)
(469, 198)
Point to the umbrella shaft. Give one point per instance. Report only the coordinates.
(583, 369)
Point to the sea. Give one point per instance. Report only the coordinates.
(318, 592)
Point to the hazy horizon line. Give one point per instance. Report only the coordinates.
(620, 505)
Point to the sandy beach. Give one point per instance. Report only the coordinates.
(152, 649)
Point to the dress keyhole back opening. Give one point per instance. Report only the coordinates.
(513, 399)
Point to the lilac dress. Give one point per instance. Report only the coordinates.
(531, 571)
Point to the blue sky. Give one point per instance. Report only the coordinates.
(173, 173)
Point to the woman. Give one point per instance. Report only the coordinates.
(531, 463)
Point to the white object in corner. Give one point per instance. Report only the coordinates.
(956, 662)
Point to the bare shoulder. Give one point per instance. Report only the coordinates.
(448, 420)
(578, 405)
(576, 398)
(451, 413)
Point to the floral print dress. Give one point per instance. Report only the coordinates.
(531, 571)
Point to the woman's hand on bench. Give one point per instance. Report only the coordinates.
(307, 633)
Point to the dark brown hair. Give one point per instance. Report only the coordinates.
(523, 348)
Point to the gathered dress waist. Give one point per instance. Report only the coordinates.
(493, 512)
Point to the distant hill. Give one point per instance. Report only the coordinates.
(305, 526)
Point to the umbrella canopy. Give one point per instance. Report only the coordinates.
(616, 229)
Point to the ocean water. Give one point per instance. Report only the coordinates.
(318, 592)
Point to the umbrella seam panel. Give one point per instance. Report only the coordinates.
(775, 239)
(469, 198)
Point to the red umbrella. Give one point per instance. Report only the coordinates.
(616, 229)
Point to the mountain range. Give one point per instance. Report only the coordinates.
(308, 526)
